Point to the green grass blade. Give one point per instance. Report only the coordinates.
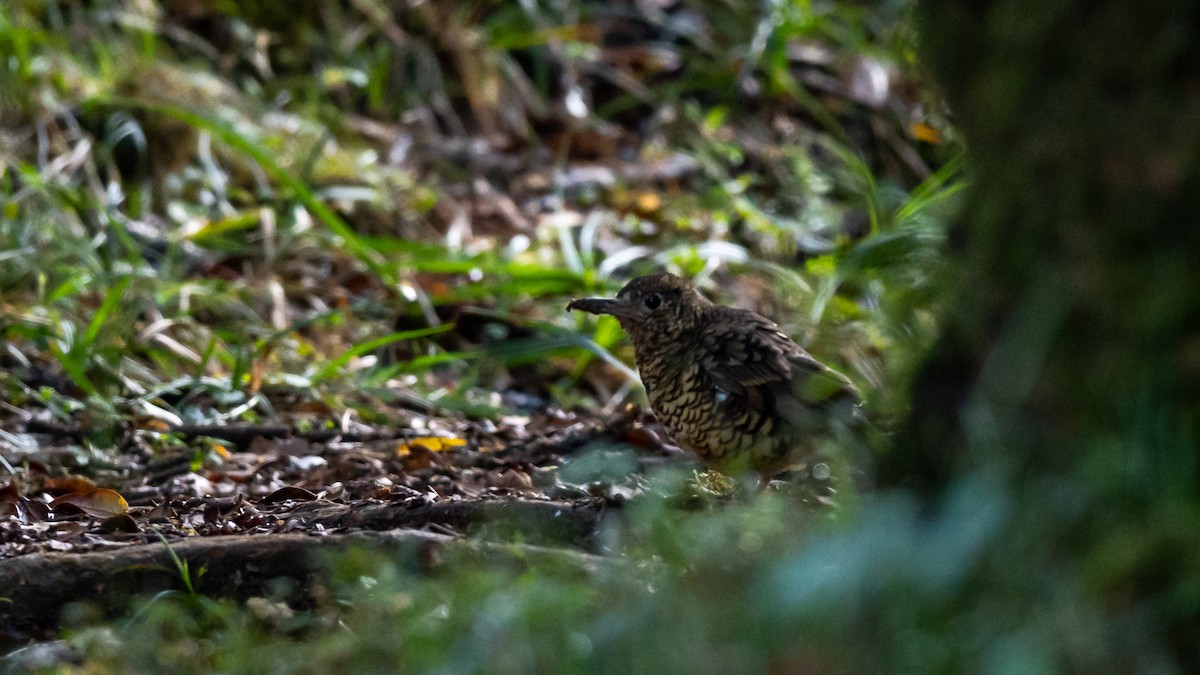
(358, 350)
(111, 300)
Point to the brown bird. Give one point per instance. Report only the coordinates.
(727, 383)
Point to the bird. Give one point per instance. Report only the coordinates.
(727, 383)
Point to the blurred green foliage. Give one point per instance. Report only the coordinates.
(747, 587)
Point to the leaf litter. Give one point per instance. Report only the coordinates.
(288, 484)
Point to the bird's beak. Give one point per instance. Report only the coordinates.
(618, 307)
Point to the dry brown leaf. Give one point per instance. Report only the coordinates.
(68, 484)
(289, 493)
(122, 522)
(514, 479)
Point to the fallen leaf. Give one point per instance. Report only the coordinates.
(512, 478)
(926, 133)
(122, 522)
(431, 444)
(161, 513)
(100, 502)
(416, 458)
(153, 424)
(647, 203)
(68, 484)
(289, 492)
(33, 511)
(64, 531)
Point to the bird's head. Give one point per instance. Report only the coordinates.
(651, 307)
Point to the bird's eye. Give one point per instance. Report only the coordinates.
(652, 301)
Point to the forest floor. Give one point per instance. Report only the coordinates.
(257, 285)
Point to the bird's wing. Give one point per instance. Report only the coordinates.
(752, 361)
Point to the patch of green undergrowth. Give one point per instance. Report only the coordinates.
(214, 200)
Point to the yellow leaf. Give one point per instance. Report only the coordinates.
(101, 502)
(926, 133)
(431, 444)
(648, 202)
(154, 424)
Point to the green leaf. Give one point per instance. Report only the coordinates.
(111, 300)
(358, 350)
